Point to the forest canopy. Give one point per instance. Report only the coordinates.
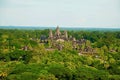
(23, 56)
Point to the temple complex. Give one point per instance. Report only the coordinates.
(58, 38)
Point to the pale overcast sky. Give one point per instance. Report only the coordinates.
(72, 13)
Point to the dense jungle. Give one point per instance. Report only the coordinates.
(23, 56)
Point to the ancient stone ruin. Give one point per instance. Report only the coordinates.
(59, 37)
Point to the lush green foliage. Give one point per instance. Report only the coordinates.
(37, 63)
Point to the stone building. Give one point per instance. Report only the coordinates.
(58, 36)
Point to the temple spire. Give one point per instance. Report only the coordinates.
(50, 34)
(58, 33)
(65, 35)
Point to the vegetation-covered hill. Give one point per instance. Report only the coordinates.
(38, 63)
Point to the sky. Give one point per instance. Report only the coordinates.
(65, 13)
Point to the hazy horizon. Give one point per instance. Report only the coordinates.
(65, 13)
(63, 27)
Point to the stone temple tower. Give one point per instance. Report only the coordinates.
(57, 33)
(50, 34)
(65, 35)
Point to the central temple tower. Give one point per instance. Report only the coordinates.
(57, 33)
